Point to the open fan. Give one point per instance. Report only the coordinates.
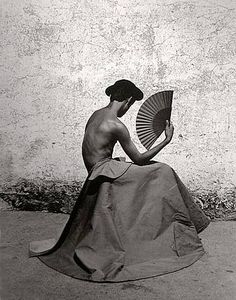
(152, 116)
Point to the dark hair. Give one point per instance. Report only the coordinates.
(123, 89)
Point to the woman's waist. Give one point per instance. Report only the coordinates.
(109, 167)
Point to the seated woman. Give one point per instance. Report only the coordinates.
(131, 220)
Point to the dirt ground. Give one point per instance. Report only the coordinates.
(212, 277)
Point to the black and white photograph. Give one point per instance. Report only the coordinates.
(118, 150)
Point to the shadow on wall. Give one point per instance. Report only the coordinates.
(60, 197)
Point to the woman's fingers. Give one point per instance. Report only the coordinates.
(169, 123)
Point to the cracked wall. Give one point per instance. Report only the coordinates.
(59, 56)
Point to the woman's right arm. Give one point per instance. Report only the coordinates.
(130, 149)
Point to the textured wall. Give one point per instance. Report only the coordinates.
(58, 57)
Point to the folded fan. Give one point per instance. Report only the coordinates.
(152, 116)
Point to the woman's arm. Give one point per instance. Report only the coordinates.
(130, 149)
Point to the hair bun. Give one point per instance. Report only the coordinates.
(109, 90)
(123, 89)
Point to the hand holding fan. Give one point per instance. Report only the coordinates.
(152, 116)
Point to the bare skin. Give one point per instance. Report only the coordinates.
(104, 129)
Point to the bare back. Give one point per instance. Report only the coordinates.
(99, 139)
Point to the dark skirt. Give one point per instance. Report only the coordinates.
(129, 222)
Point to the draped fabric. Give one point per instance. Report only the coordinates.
(129, 222)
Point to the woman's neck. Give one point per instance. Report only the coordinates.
(114, 107)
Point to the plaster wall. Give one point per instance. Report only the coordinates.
(59, 56)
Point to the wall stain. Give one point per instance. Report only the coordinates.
(33, 150)
(60, 196)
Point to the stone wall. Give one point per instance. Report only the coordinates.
(59, 56)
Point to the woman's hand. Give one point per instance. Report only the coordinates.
(169, 131)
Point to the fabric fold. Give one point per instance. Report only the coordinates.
(129, 222)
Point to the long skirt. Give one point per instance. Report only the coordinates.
(129, 222)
